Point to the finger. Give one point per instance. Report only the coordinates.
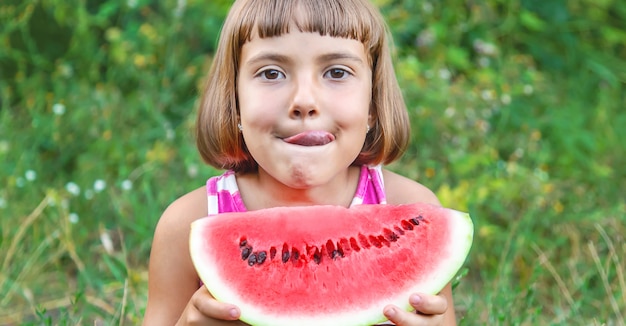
(429, 304)
(395, 315)
(403, 318)
(207, 305)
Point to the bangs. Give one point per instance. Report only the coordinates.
(336, 18)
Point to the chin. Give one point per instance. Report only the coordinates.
(299, 179)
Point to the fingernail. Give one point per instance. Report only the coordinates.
(390, 312)
(415, 299)
(234, 313)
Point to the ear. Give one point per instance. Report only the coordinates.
(371, 120)
(372, 115)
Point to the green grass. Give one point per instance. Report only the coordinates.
(518, 113)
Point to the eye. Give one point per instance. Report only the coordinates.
(337, 73)
(271, 74)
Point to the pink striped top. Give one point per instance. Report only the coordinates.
(223, 193)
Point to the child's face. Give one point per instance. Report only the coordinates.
(304, 102)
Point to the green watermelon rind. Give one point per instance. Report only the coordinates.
(462, 233)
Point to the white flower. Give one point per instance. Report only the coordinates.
(426, 38)
(19, 182)
(485, 48)
(99, 185)
(31, 175)
(528, 89)
(484, 62)
(450, 112)
(445, 74)
(73, 218)
(58, 109)
(72, 188)
(506, 99)
(192, 170)
(127, 185)
(487, 95)
(88, 194)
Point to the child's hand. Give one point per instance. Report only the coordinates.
(203, 309)
(429, 310)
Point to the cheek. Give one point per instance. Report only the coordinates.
(261, 118)
(257, 108)
(351, 109)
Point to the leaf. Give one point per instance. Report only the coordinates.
(531, 21)
(604, 72)
(458, 57)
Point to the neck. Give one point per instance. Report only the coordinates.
(260, 190)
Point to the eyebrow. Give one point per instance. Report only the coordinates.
(339, 56)
(275, 57)
(267, 56)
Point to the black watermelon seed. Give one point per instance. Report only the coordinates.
(391, 236)
(336, 254)
(261, 257)
(406, 225)
(363, 241)
(354, 244)
(252, 260)
(295, 254)
(339, 250)
(311, 251)
(285, 256)
(375, 242)
(245, 252)
(243, 242)
(398, 230)
(415, 221)
(272, 252)
(317, 256)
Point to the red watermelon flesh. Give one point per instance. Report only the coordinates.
(328, 265)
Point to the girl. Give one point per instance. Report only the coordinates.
(301, 107)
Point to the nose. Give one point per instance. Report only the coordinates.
(304, 101)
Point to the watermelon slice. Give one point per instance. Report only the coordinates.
(328, 265)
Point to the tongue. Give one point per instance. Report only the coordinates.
(311, 138)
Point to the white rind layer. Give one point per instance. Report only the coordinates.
(461, 236)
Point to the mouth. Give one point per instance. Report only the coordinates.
(310, 138)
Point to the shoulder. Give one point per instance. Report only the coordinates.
(171, 237)
(172, 230)
(183, 211)
(402, 190)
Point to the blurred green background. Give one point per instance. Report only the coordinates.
(518, 114)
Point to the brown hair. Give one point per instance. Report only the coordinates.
(217, 136)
